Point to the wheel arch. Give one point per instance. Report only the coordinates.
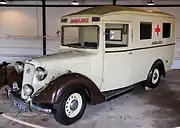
(54, 90)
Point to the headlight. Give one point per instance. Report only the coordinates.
(40, 73)
(19, 66)
(28, 90)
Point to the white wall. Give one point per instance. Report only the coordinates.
(20, 29)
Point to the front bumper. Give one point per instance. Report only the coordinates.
(25, 106)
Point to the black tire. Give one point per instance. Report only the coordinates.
(152, 79)
(60, 112)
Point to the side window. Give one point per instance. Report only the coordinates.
(113, 34)
(116, 35)
(166, 30)
(145, 30)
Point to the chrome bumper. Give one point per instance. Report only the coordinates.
(24, 106)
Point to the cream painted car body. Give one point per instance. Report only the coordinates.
(109, 68)
(70, 59)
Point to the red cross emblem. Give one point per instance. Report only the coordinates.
(157, 29)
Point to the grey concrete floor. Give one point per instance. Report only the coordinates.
(158, 108)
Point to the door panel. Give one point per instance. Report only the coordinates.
(116, 70)
(117, 57)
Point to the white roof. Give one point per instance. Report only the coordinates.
(102, 10)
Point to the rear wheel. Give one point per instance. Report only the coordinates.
(154, 77)
(71, 106)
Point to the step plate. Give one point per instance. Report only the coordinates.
(109, 95)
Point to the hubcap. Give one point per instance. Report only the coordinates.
(73, 105)
(155, 76)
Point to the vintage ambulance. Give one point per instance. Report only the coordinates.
(104, 51)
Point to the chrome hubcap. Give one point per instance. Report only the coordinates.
(74, 105)
(155, 76)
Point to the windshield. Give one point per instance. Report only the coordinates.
(80, 36)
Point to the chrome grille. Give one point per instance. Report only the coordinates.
(28, 75)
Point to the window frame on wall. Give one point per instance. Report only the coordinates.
(164, 30)
(143, 30)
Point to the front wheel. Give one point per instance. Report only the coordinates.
(154, 77)
(71, 107)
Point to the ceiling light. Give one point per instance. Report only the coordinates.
(3, 2)
(75, 2)
(150, 2)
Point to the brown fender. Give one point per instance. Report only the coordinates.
(52, 93)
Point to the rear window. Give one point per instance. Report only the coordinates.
(145, 30)
(166, 30)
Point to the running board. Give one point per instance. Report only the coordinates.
(109, 95)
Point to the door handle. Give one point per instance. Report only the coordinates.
(130, 53)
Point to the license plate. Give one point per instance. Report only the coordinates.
(20, 105)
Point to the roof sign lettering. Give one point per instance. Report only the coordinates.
(80, 20)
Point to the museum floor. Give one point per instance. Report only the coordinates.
(158, 108)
